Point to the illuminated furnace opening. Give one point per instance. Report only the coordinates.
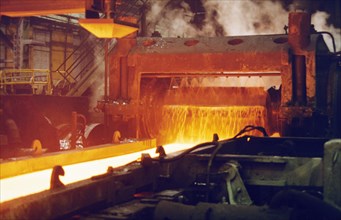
(190, 108)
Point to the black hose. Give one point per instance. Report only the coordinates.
(186, 152)
(214, 143)
(209, 165)
(331, 36)
(220, 145)
(217, 144)
(250, 128)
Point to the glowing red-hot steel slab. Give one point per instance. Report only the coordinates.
(26, 184)
(19, 166)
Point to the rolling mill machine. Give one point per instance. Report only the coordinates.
(260, 112)
(180, 89)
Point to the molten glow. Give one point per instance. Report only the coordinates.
(195, 124)
(276, 134)
(106, 28)
(22, 185)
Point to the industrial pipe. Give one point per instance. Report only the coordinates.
(299, 90)
(299, 30)
(299, 39)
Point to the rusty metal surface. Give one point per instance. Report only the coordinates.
(230, 44)
(264, 55)
(208, 56)
(299, 31)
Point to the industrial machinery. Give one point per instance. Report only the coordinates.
(184, 90)
(227, 97)
(244, 177)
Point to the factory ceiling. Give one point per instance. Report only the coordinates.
(22, 8)
(105, 19)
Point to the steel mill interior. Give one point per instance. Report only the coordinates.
(172, 109)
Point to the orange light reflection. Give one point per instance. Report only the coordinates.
(106, 28)
(26, 184)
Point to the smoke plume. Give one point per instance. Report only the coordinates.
(171, 18)
(319, 19)
(174, 18)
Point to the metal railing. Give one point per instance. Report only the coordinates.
(84, 62)
(37, 80)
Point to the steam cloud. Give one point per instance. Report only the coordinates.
(230, 18)
(170, 19)
(97, 89)
(319, 20)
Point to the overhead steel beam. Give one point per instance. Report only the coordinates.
(22, 8)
